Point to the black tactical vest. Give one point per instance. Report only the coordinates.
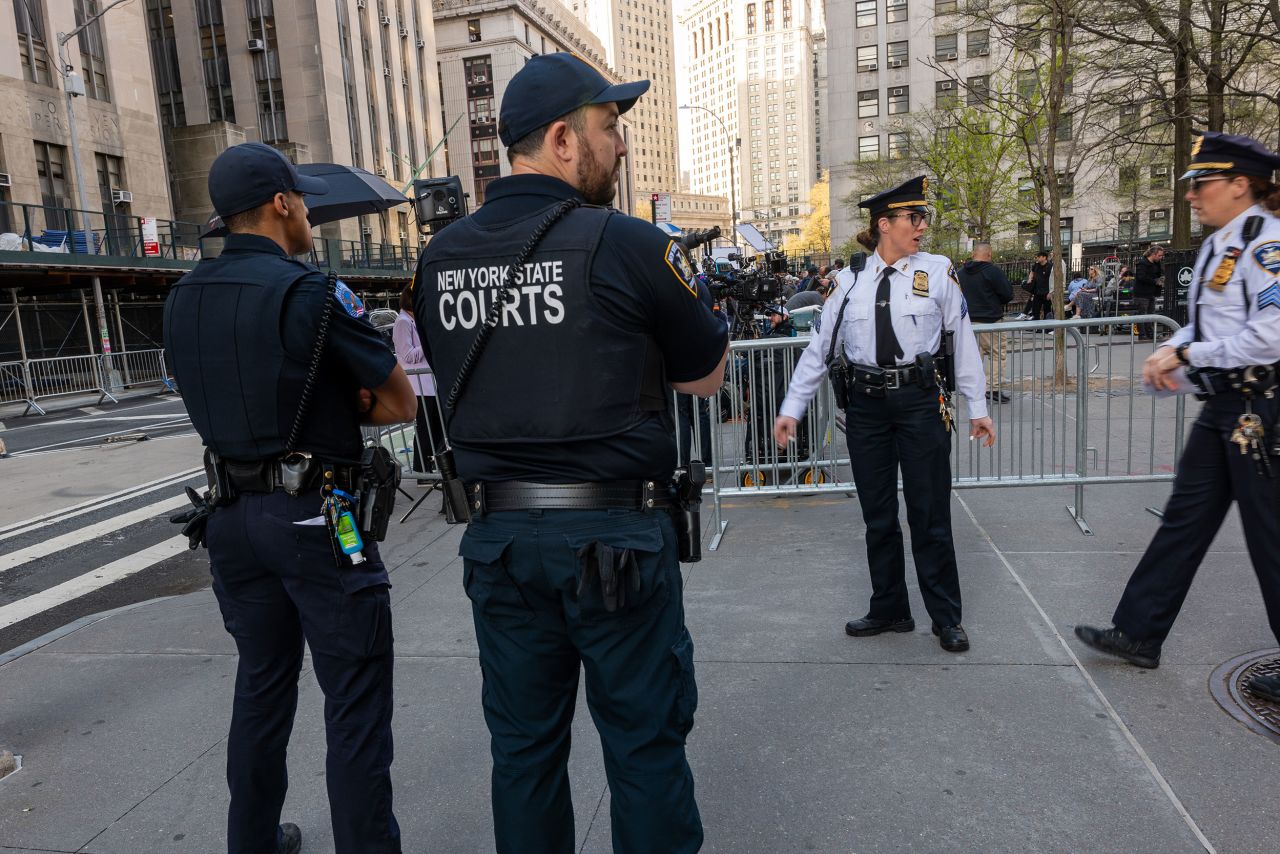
(222, 333)
(556, 368)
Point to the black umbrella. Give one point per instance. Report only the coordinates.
(352, 191)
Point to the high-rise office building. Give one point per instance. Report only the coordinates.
(344, 81)
(638, 41)
(751, 66)
(481, 44)
(121, 153)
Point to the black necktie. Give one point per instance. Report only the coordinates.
(887, 347)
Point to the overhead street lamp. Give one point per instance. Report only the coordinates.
(734, 143)
(72, 85)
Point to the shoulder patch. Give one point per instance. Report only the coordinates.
(1270, 296)
(920, 284)
(952, 275)
(680, 267)
(348, 300)
(1268, 257)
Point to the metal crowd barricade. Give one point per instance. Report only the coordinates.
(64, 375)
(14, 387)
(1075, 416)
(141, 368)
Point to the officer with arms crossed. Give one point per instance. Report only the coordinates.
(240, 334)
(565, 441)
(1230, 348)
(891, 321)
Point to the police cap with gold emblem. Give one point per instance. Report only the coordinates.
(1227, 152)
(910, 196)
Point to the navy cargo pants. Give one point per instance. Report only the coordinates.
(277, 583)
(904, 429)
(537, 624)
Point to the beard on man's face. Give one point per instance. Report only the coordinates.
(597, 185)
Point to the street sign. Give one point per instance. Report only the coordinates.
(1185, 275)
(661, 207)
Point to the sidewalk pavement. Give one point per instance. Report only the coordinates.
(805, 740)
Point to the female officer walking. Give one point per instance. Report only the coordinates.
(890, 321)
(1231, 350)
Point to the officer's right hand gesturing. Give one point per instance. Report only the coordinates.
(784, 430)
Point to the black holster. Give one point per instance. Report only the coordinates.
(687, 511)
(457, 507)
(945, 360)
(926, 371)
(221, 490)
(379, 480)
(840, 373)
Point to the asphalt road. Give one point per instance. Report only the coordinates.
(63, 557)
(88, 426)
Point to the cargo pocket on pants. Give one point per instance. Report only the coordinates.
(621, 573)
(487, 581)
(686, 685)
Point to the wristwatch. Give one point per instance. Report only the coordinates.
(1181, 352)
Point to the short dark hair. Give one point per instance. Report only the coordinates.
(1042, 254)
(531, 143)
(245, 220)
(839, 262)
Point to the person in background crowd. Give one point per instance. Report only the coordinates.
(817, 296)
(888, 320)
(836, 266)
(428, 438)
(1039, 285)
(1084, 301)
(987, 291)
(1077, 282)
(1228, 349)
(1148, 280)
(810, 276)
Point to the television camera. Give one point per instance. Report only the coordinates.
(745, 284)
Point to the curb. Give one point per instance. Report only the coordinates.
(69, 629)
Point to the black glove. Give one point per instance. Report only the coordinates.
(616, 570)
(195, 520)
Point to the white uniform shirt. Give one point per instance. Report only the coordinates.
(1233, 334)
(918, 321)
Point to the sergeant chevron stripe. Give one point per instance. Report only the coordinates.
(1270, 296)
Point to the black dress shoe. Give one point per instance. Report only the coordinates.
(951, 638)
(1144, 654)
(290, 839)
(868, 626)
(1266, 687)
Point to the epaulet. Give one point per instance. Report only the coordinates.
(1252, 228)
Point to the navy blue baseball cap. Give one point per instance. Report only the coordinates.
(247, 175)
(1214, 152)
(553, 85)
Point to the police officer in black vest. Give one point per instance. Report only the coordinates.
(564, 437)
(240, 335)
(1230, 349)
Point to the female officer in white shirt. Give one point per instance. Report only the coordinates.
(890, 318)
(1230, 348)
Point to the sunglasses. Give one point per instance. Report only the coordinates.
(1196, 184)
(915, 217)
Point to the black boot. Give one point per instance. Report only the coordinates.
(1144, 654)
(868, 626)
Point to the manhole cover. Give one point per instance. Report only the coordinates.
(1227, 684)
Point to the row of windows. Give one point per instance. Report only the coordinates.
(895, 11)
(33, 46)
(768, 10)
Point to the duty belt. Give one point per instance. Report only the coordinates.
(1253, 379)
(885, 378)
(498, 496)
(269, 475)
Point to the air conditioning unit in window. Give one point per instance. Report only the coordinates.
(404, 32)
(381, 173)
(871, 67)
(257, 45)
(946, 85)
(360, 4)
(385, 20)
(386, 71)
(897, 63)
(982, 51)
(901, 90)
(421, 43)
(948, 54)
(121, 197)
(5, 180)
